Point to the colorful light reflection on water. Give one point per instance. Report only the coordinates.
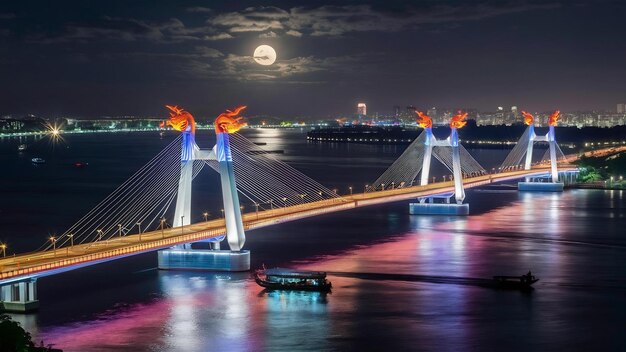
(435, 307)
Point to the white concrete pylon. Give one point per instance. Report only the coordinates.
(551, 139)
(452, 142)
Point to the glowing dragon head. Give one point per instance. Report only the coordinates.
(528, 118)
(554, 117)
(180, 120)
(424, 121)
(458, 121)
(229, 121)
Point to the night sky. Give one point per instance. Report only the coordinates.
(130, 57)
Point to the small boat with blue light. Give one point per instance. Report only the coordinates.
(288, 279)
(38, 161)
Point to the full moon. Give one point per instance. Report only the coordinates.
(264, 55)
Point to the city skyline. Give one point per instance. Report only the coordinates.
(120, 59)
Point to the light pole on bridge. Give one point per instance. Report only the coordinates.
(257, 210)
(71, 236)
(54, 244)
(182, 224)
(4, 250)
(119, 229)
(162, 224)
(365, 188)
(206, 216)
(350, 188)
(100, 234)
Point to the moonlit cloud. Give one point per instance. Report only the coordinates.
(268, 35)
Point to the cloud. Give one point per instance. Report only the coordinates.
(271, 21)
(218, 36)
(293, 33)
(244, 68)
(122, 29)
(333, 20)
(269, 34)
(251, 19)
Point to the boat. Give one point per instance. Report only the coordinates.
(22, 147)
(515, 282)
(80, 164)
(288, 279)
(38, 161)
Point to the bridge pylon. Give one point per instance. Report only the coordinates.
(184, 256)
(530, 138)
(427, 205)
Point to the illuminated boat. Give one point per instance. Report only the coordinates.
(38, 161)
(22, 147)
(515, 282)
(288, 279)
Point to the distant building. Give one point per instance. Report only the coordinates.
(397, 111)
(621, 108)
(610, 120)
(361, 109)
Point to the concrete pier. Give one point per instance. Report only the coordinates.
(19, 297)
(540, 186)
(204, 259)
(439, 209)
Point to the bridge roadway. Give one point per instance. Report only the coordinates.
(36, 264)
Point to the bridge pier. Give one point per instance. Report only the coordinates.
(204, 259)
(19, 297)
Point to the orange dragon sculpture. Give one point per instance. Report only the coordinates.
(554, 117)
(458, 121)
(180, 119)
(229, 121)
(424, 121)
(528, 118)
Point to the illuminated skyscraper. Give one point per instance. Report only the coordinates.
(361, 109)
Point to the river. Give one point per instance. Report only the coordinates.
(400, 282)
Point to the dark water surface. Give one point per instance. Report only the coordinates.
(400, 282)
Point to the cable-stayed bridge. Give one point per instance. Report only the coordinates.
(132, 220)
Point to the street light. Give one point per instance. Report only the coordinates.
(119, 229)
(182, 224)
(206, 216)
(100, 234)
(350, 188)
(257, 210)
(162, 224)
(71, 236)
(365, 188)
(4, 250)
(54, 243)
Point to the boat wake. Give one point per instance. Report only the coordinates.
(454, 280)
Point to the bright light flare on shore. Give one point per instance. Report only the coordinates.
(54, 133)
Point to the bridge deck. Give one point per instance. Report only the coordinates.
(34, 264)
